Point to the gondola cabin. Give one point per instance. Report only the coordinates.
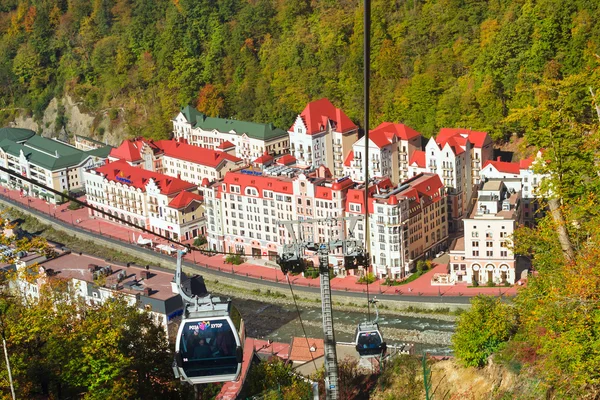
(369, 341)
(210, 343)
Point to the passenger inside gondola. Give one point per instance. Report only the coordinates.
(208, 348)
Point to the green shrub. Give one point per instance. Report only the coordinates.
(200, 240)
(367, 278)
(74, 205)
(234, 259)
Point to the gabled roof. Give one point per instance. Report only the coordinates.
(457, 144)
(183, 199)
(476, 138)
(131, 149)
(401, 131)
(254, 130)
(225, 145)
(286, 160)
(126, 151)
(121, 171)
(503, 166)
(264, 159)
(198, 155)
(349, 158)
(526, 163)
(317, 114)
(417, 159)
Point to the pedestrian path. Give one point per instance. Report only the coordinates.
(419, 287)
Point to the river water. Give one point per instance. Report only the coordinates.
(280, 322)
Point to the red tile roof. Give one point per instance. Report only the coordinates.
(401, 131)
(349, 158)
(265, 158)
(358, 195)
(183, 199)
(476, 138)
(195, 154)
(318, 113)
(225, 145)
(130, 150)
(120, 171)
(418, 158)
(526, 163)
(260, 182)
(286, 160)
(503, 166)
(300, 350)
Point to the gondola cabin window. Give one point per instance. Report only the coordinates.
(208, 348)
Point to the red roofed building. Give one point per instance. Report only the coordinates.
(410, 221)
(193, 163)
(482, 148)
(251, 205)
(391, 145)
(322, 135)
(139, 152)
(164, 204)
(305, 350)
(520, 176)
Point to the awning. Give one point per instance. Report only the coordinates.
(143, 241)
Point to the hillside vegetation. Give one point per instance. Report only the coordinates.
(435, 63)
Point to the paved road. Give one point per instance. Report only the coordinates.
(441, 299)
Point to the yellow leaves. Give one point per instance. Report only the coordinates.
(489, 28)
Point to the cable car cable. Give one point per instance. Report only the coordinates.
(106, 213)
(301, 323)
(367, 76)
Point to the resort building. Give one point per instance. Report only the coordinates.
(50, 162)
(484, 253)
(251, 140)
(163, 204)
(322, 135)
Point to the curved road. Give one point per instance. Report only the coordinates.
(124, 245)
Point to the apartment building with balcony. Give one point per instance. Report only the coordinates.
(166, 205)
(251, 206)
(451, 161)
(482, 147)
(215, 231)
(251, 140)
(524, 176)
(390, 148)
(50, 162)
(484, 253)
(322, 135)
(406, 222)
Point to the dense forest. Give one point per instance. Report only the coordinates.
(435, 63)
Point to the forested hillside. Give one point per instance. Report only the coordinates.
(435, 63)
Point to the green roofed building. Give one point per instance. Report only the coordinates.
(50, 162)
(246, 140)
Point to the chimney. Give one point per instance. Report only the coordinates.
(498, 158)
(147, 291)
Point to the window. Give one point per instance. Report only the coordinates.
(489, 244)
(475, 253)
(503, 253)
(475, 244)
(489, 253)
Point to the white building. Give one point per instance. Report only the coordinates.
(251, 140)
(52, 163)
(166, 205)
(407, 222)
(390, 148)
(322, 135)
(484, 253)
(526, 179)
(95, 280)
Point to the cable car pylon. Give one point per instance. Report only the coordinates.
(211, 335)
(293, 259)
